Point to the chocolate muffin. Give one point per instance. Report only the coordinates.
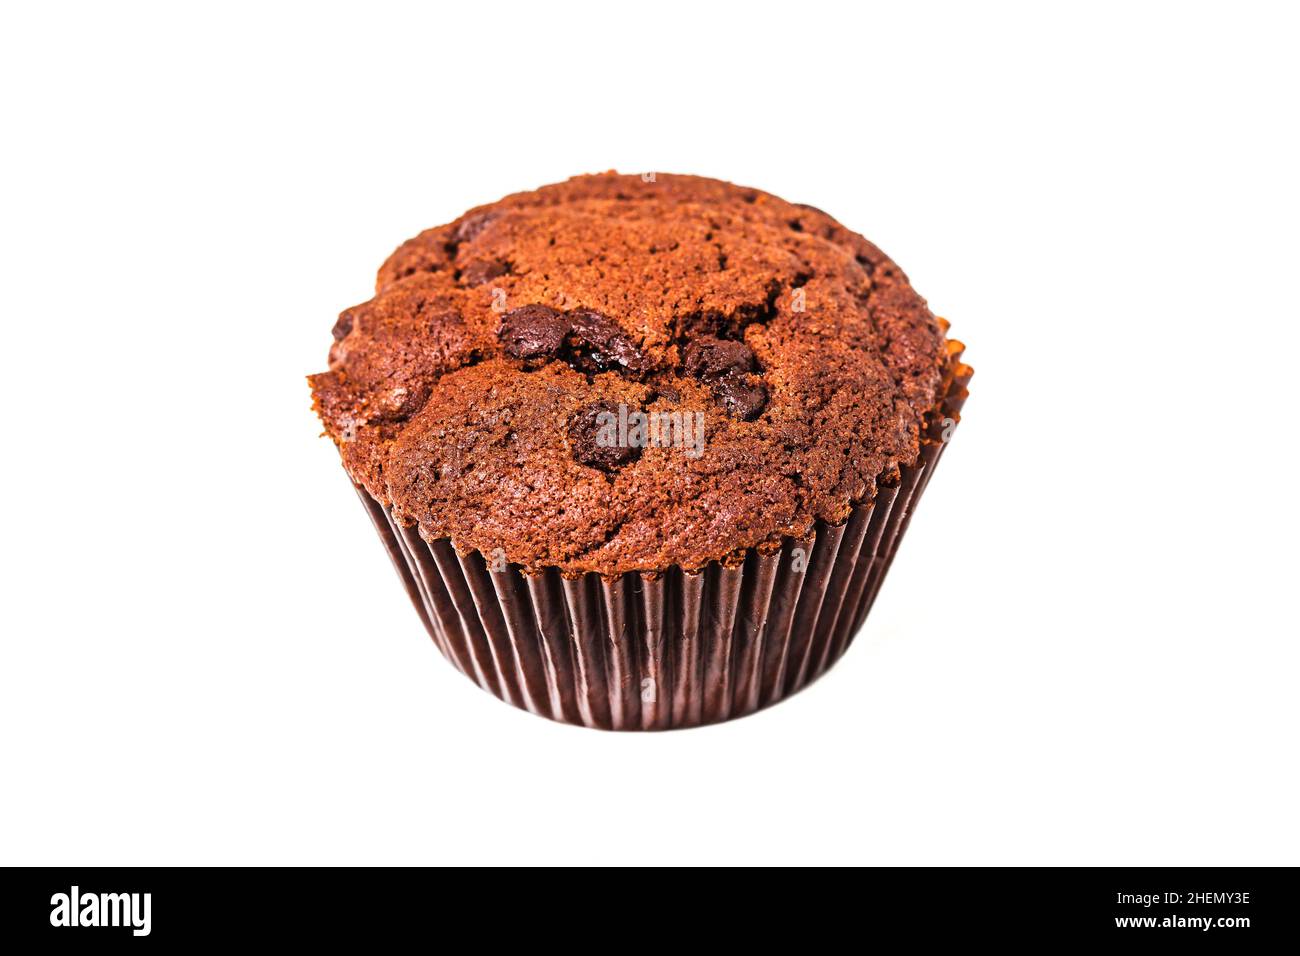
(641, 447)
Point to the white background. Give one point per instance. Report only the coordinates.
(1087, 650)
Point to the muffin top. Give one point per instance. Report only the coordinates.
(623, 373)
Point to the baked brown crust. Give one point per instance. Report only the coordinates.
(463, 393)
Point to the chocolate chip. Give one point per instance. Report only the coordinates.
(343, 326)
(743, 397)
(483, 270)
(666, 392)
(398, 404)
(471, 226)
(599, 344)
(725, 365)
(593, 438)
(587, 340)
(712, 358)
(533, 331)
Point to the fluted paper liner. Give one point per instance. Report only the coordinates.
(676, 648)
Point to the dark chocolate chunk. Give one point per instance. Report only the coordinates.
(483, 270)
(398, 404)
(725, 365)
(712, 358)
(594, 438)
(743, 395)
(471, 226)
(599, 344)
(533, 331)
(343, 326)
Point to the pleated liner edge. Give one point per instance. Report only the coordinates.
(669, 650)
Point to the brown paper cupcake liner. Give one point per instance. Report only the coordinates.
(673, 649)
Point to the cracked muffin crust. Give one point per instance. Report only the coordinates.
(466, 393)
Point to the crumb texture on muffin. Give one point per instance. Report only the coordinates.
(475, 392)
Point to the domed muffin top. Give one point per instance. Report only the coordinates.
(623, 373)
